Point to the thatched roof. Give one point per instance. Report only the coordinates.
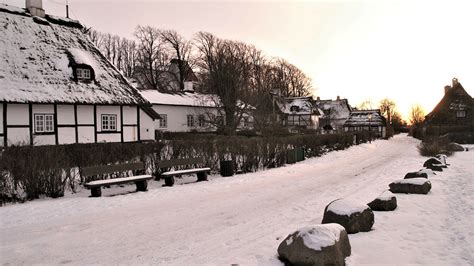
(455, 99)
(37, 56)
(360, 118)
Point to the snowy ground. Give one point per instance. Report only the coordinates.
(242, 219)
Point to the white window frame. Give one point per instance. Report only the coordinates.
(461, 113)
(201, 121)
(163, 121)
(44, 123)
(190, 120)
(83, 73)
(108, 122)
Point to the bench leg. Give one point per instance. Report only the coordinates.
(202, 176)
(141, 185)
(96, 192)
(169, 181)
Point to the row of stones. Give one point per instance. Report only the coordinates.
(328, 243)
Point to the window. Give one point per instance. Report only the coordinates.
(109, 122)
(294, 108)
(246, 122)
(44, 123)
(163, 121)
(461, 113)
(83, 73)
(190, 120)
(201, 121)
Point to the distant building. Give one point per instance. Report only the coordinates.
(371, 121)
(57, 88)
(298, 112)
(189, 112)
(334, 114)
(453, 114)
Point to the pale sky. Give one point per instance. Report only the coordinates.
(404, 50)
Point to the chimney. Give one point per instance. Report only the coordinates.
(446, 89)
(338, 98)
(317, 98)
(455, 82)
(35, 7)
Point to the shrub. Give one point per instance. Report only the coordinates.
(433, 146)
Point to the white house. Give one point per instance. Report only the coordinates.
(367, 120)
(190, 112)
(334, 113)
(298, 112)
(57, 88)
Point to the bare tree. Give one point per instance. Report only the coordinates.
(290, 80)
(226, 69)
(152, 57)
(366, 105)
(182, 52)
(387, 108)
(417, 115)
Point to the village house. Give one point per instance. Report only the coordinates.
(454, 114)
(371, 121)
(297, 112)
(190, 112)
(57, 88)
(334, 114)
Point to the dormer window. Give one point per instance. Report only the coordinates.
(294, 108)
(83, 73)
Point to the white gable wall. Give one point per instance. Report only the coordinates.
(177, 117)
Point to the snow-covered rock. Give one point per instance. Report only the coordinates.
(385, 202)
(411, 186)
(324, 244)
(416, 175)
(434, 164)
(355, 217)
(455, 147)
(442, 158)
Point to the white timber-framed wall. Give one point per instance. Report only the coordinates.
(177, 118)
(72, 123)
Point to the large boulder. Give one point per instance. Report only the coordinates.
(411, 186)
(442, 158)
(415, 175)
(427, 171)
(453, 146)
(434, 164)
(385, 202)
(355, 217)
(324, 244)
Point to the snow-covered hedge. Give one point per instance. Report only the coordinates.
(251, 154)
(29, 172)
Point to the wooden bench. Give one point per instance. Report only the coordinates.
(192, 169)
(95, 186)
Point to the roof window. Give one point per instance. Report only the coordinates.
(83, 73)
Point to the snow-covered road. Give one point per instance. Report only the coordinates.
(242, 219)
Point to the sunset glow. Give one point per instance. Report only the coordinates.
(404, 50)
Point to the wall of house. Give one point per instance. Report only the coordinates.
(17, 121)
(177, 117)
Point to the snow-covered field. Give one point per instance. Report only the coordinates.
(242, 219)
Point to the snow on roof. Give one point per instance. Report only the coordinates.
(361, 118)
(335, 109)
(36, 61)
(183, 99)
(298, 106)
(346, 207)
